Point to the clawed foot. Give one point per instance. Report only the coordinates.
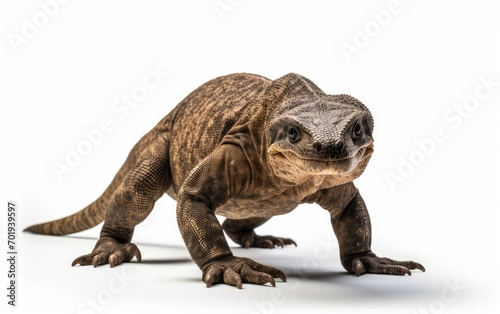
(109, 250)
(251, 239)
(235, 271)
(382, 265)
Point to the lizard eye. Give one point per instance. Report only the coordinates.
(356, 131)
(293, 134)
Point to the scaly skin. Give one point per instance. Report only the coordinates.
(247, 148)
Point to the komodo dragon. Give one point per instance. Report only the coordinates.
(247, 148)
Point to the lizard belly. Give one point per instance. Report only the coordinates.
(246, 208)
(268, 202)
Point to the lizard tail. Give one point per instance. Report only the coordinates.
(94, 213)
(84, 219)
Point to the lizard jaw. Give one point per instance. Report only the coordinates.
(317, 166)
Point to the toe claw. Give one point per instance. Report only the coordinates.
(76, 261)
(209, 281)
(247, 240)
(279, 242)
(112, 261)
(138, 255)
(281, 276)
(211, 275)
(82, 260)
(420, 267)
(232, 278)
(272, 282)
(403, 271)
(96, 261)
(358, 267)
(246, 244)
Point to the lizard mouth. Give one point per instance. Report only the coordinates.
(320, 166)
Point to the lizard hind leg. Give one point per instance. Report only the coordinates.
(146, 181)
(241, 231)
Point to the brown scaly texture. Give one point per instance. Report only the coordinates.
(247, 148)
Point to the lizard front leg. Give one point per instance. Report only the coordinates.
(131, 203)
(351, 224)
(219, 177)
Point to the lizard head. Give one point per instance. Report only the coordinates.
(322, 135)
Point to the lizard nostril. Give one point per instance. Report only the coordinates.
(317, 147)
(341, 146)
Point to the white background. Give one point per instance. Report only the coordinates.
(428, 57)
